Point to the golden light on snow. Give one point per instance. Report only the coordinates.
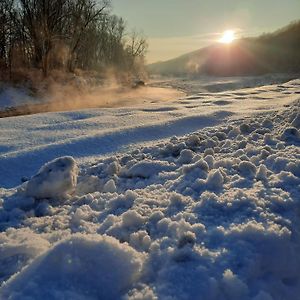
(227, 37)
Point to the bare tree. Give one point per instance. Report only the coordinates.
(137, 45)
(136, 50)
(81, 33)
(43, 22)
(83, 13)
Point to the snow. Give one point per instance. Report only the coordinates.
(55, 179)
(92, 267)
(290, 133)
(12, 96)
(215, 180)
(110, 186)
(296, 121)
(170, 204)
(43, 137)
(247, 169)
(145, 169)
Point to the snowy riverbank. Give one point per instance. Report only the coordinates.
(208, 207)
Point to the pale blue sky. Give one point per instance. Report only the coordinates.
(174, 27)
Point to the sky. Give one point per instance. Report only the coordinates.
(175, 27)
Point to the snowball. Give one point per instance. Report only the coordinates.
(210, 143)
(178, 200)
(110, 186)
(264, 153)
(209, 151)
(221, 136)
(56, 179)
(193, 141)
(247, 169)
(122, 201)
(269, 139)
(234, 133)
(113, 168)
(201, 165)
(262, 173)
(290, 133)
(188, 238)
(215, 180)
(245, 128)
(173, 149)
(140, 240)
(132, 218)
(267, 123)
(225, 163)
(93, 264)
(186, 156)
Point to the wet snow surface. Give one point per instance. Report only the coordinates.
(196, 198)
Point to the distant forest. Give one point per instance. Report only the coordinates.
(66, 35)
(275, 52)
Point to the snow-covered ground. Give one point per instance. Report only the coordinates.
(219, 84)
(12, 96)
(194, 198)
(28, 142)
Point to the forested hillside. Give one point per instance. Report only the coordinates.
(66, 35)
(269, 53)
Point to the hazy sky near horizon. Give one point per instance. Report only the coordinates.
(175, 27)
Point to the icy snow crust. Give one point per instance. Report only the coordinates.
(211, 215)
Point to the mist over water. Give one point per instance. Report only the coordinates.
(63, 92)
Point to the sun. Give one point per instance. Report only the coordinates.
(227, 37)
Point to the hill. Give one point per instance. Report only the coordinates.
(269, 53)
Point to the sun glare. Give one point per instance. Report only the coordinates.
(227, 37)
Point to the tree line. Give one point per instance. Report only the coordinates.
(67, 34)
(276, 52)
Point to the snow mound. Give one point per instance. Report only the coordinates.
(215, 180)
(56, 179)
(17, 249)
(82, 267)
